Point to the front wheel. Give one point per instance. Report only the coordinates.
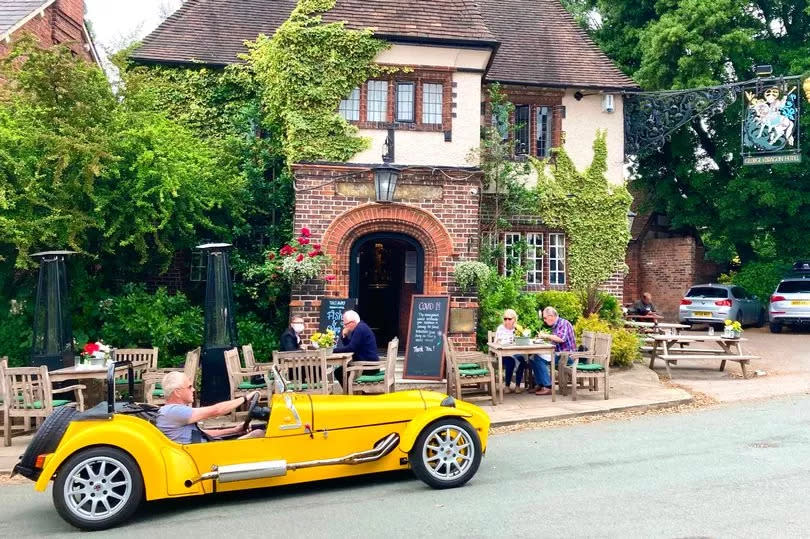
(776, 328)
(98, 488)
(446, 454)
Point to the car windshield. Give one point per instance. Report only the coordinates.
(707, 292)
(794, 287)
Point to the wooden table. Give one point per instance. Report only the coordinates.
(672, 347)
(92, 373)
(668, 327)
(501, 350)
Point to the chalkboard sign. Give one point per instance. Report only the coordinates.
(332, 310)
(424, 356)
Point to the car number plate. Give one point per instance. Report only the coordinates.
(704, 314)
(802, 302)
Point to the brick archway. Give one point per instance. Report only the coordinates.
(368, 218)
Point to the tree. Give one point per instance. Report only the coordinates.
(697, 178)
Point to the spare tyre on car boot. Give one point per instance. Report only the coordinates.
(46, 440)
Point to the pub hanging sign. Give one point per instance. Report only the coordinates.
(770, 122)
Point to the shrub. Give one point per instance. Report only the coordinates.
(138, 319)
(625, 348)
(16, 319)
(262, 336)
(611, 310)
(471, 273)
(567, 304)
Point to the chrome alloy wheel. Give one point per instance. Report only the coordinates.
(448, 452)
(97, 488)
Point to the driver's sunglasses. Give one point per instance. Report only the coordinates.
(505, 318)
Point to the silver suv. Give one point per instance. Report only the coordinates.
(713, 304)
(790, 303)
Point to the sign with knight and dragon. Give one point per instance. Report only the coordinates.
(770, 122)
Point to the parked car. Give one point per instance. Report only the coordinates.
(715, 303)
(790, 302)
(105, 461)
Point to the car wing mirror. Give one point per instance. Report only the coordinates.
(279, 384)
(288, 401)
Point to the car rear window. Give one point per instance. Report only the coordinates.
(707, 292)
(794, 287)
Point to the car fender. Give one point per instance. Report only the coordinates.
(154, 453)
(419, 422)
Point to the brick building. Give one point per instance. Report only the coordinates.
(50, 22)
(427, 123)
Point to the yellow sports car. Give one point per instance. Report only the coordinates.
(106, 460)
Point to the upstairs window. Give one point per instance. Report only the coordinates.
(406, 98)
(377, 108)
(543, 123)
(431, 103)
(522, 130)
(349, 108)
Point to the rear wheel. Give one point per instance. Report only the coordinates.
(446, 454)
(776, 328)
(760, 319)
(98, 488)
(46, 440)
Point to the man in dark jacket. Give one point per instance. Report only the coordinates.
(356, 337)
(291, 338)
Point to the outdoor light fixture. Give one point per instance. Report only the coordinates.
(631, 216)
(385, 182)
(764, 70)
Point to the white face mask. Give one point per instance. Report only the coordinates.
(298, 328)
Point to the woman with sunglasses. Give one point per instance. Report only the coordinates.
(505, 334)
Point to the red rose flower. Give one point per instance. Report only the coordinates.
(303, 241)
(313, 254)
(330, 278)
(286, 250)
(299, 258)
(91, 347)
(316, 246)
(305, 232)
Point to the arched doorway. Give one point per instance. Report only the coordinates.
(385, 270)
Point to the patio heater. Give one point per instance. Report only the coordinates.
(220, 325)
(52, 343)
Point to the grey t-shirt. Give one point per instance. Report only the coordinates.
(173, 420)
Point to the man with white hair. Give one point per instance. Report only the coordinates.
(562, 335)
(178, 420)
(356, 337)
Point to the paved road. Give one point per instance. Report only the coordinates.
(739, 470)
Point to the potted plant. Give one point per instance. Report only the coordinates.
(326, 339)
(523, 337)
(471, 274)
(732, 329)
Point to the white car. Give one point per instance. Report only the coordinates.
(790, 303)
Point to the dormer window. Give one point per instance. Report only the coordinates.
(349, 108)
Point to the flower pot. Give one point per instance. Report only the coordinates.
(523, 341)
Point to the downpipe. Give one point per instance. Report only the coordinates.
(278, 468)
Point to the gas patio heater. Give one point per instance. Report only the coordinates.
(220, 325)
(52, 343)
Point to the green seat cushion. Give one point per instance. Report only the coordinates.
(474, 372)
(468, 366)
(589, 367)
(157, 392)
(125, 381)
(37, 405)
(251, 385)
(370, 378)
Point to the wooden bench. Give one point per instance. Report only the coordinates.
(743, 360)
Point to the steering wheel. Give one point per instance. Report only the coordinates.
(251, 406)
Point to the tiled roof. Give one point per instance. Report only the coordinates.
(541, 44)
(13, 11)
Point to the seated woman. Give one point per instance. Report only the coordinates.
(178, 420)
(505, 334)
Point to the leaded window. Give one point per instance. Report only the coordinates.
(511, 252)
(377, 108)
(556, 259)
(349, 108)
(431, 103)
(543, 123)
(522, 129)
(534, 258)
(406, 95)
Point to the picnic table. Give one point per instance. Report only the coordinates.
(527, 350)
(673, 347)
(656, 327)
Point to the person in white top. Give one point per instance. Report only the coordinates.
(505, 334)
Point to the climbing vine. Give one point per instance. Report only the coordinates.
(304, 71)
(593, 214)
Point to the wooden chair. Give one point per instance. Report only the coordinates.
(374, 383)
(597, 368)
(250, 359)
(28, 394)
(152, 379)
(307, 370)
(146, 359)
(457, 378)
(239, 377)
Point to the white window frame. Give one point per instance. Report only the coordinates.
(510, 240)
(432, 94)
(534, 258)
(349, 108)
(556, 259)
(411, 103)
(377, 101)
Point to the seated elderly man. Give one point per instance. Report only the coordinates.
(177, 419)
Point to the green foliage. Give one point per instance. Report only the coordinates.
(758, 278)
(471, 273)
(697, 178)
(138, 319)
(594, 219)
(264, 337)
(305, 70)
(611, 309)
(16, 317)
(568, 304)
(625, 346)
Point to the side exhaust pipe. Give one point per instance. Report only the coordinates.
(278, 468)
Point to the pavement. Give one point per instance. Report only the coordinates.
(783, 369)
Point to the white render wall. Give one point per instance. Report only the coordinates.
(582, 119)
(428, 147)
